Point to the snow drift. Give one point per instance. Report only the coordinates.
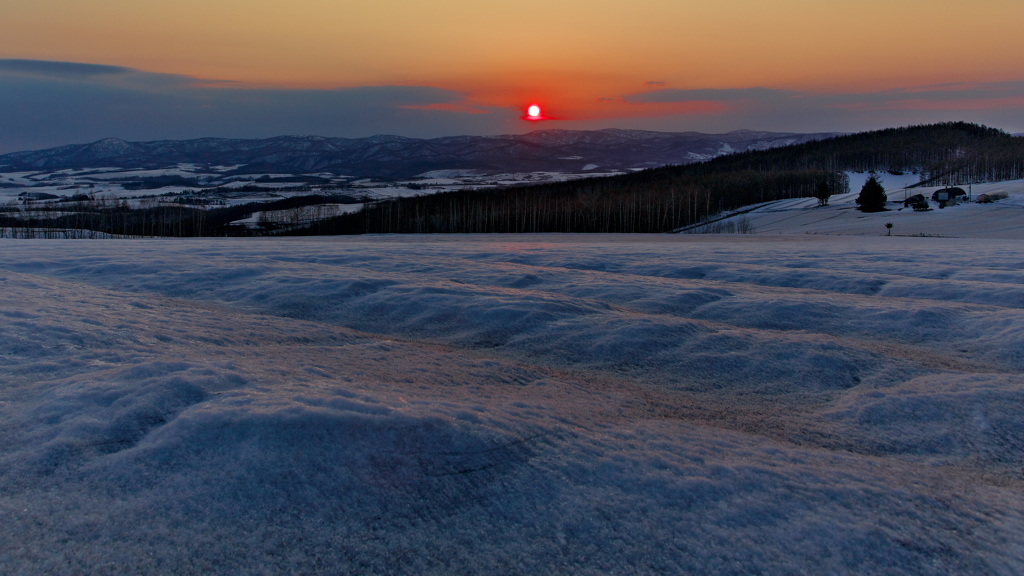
(500, 404)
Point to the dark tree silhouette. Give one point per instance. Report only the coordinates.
(822, 192)
(872, 196)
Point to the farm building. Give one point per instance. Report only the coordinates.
(948, 196)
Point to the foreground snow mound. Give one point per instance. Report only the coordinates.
(977, 417)
(264, 482)
(512, 405)
(80, 420)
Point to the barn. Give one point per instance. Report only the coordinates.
(948, 196)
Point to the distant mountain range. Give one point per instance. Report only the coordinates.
(572, 151)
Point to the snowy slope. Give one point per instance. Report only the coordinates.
(1001, 219)
(513, 405)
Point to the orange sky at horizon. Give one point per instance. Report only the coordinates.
(577, 57)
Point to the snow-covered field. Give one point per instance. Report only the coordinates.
(549, 404)
(1000, 219)
(218, 183)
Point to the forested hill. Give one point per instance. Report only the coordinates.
(964, 152)
(663, 199)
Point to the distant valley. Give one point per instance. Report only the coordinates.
(545, 181)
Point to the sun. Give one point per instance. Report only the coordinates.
(534, 113)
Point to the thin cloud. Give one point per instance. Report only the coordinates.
(46, 104)
(997, 104)
(706, 94)
(958, 92)
(59, 69)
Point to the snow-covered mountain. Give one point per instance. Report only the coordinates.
(397, 156)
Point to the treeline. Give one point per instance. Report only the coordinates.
(593, 205)
(957, 151)
(119, 218)
(156, 182)
(106, 217)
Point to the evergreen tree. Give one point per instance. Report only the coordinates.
(822, 193)
(872, 196)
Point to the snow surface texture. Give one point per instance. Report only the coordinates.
(1003, 219)
(512, 405)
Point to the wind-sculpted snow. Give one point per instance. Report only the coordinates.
(512, 405)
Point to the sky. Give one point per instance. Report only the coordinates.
(75, 71)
